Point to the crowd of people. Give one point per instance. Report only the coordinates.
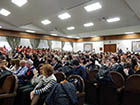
(35, 68)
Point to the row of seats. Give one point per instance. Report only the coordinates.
(9, 88)
(121, 92)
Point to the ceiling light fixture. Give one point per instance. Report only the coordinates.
(0, 26)
(70, 28)
(30, 31)
(64, 16)
(129, 32)
(46, 22)
(4, 12)
(54, 34)
(88, 24)
(19, 3)
(93, 7)
(115, 19)
(69, 36)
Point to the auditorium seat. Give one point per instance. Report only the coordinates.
(80, 85)
(111, 94)
(137, 72)
(132, 90)
(91, 88)
(8, 90)
(60, 76)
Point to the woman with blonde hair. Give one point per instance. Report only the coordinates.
(44, 86)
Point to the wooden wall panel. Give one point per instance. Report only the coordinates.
(34, 36)
(47, 37)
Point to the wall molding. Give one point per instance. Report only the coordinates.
(57, 38)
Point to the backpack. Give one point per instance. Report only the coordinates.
(104, 77)
(62, 94)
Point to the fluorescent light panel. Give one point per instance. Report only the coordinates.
(46, 22)
(69, 36)
(54, 34)
(115, 19)
(70, 28)
(93, 7)
(88, 24)
(30, 31)
(129, 32)
(4, 12)
(19, 3)
(0, 26)
(77, 37)
(64, 16)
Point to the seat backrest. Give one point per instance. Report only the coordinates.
(78, 82)
(10, 84)
(60, 76)
(137, 72)
(118, 79)
(133, 83)
(92, 75)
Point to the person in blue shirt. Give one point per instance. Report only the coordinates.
(77, 69)
(22, 69)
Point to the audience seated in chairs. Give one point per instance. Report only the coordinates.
(68, 63)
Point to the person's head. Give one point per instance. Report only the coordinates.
(12, 62)
(34, 57)
(114, 60)
(127, 65)
(55, 60)
(29, 63)
(22, 63)
(92, 61)
(16, 61)
(26, 57)
(39, 68)
(75, 63)
(47, 70)
(83, 60)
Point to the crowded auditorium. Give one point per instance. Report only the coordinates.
(69, 52)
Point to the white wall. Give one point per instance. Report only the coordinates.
(123, 44)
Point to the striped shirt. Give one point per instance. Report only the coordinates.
(45, 85)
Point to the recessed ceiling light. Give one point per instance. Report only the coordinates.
(54, 34)
(0, 26)
(88, 24)
(70, 28)
(93, 7)
(46, 22)
(69, 36)
(64, 16)
(115, 19)
(30, 31)
(129, 32)
(77, 37)
(19, 2)
(4, 12)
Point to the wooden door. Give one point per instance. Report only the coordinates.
(110, 48)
